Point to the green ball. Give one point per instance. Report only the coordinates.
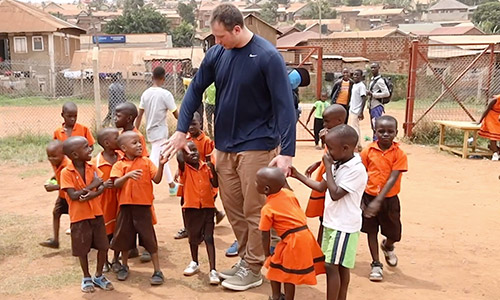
(53, 182)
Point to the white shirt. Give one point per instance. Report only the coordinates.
(156, 102)
(345, 214)
(358, 91)
(379, 90)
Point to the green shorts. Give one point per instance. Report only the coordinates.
(339, 247)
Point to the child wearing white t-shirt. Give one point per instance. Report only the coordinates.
(357, 104)
(344, 182)
(156, 102)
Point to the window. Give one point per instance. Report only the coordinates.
(66, 46)
(20, 45)
(37, 43)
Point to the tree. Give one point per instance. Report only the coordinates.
(269, 12)
(142, 20)
(487, 17)
(132, 5)
(182, 35)
(326, 10)
(476, 2)
(354, 2)
(186, 12)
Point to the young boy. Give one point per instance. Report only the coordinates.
(357, 104)
(104, 161)
(156, 102)
(80, 180)
(344, 182)
(70, 127)
(205, 147)
(125, 115)
(132, 176)
(385, 163)
(318, 109)
(58, 161)
(198, 179)
(333, 116)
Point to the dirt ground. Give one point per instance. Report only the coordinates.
(450, 210)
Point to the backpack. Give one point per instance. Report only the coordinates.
(390, 87)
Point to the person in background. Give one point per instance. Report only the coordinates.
(341, 91)
(357, 106)
(377, 90)
(116, 95)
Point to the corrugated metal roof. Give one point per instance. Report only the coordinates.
(296, 38)
(366, 34)
(454, 30)
(448, 4)
(381, 12)
(20, 17)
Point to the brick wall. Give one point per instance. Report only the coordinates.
(392, 52)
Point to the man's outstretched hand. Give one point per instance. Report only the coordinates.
(175, 143)
(283, 162)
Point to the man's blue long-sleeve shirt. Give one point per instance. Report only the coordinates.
(254, 103)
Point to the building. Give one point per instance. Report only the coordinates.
(392, 16)
(327, 25)
(45, 44)
(295, 11)
(448, 10)
(456, 30)
(135, 40)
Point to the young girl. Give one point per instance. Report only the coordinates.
(198, 178)
(490, 127)
(317, 110)
(297, 258)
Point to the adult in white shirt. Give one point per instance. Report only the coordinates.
(377, 91)
(156, 102)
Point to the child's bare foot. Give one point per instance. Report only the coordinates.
(50, 243)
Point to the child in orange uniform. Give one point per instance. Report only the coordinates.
(104, 161)
(198, 180)
(58, 161)
(83, 186)
(133, 176)
(490, 127)
(333, 116)
(297, 258)
(124, 118)
(70, 127)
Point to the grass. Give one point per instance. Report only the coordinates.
(24, 149)
(40, 101)
(18, 253)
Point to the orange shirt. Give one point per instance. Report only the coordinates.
(78, 130)
(204, 144)
(282, 212)
(109, 199)
(197, 189)
(71, 179)
(343, 97)
(135, 192)
(57, 174)
(379, 165)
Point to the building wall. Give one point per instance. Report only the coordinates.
(261, 29)
(392, 52)
(446, 16)
(38, 56)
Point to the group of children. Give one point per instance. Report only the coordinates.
(109, 199)
(351, 193)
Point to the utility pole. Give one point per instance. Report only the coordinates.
(319, 9)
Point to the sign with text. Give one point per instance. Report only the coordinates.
(109, 39)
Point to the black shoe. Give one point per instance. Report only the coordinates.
(122, 275)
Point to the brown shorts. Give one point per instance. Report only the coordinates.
(199, 224)
(86, 234)
(388, 218)
(132, 220)
(61, 206)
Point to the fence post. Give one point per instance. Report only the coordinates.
(491, 67)
(410, 93)
(319, 75)
(97, 87)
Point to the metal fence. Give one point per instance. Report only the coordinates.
(32, 94)
(450, 82)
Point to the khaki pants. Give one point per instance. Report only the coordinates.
(354, 123)
(236, 173)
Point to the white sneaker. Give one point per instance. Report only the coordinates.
(495, 156)
(191, 269)
(377, 273)
(68, 231)
(213, 276)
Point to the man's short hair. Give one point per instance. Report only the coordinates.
(159, 73)
(227, 15)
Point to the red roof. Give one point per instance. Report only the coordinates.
(456, 30)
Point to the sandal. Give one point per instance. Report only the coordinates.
(145, 257)
(87, 285)
(116, 266)
(50, 243)
(106, 267)
(122, 274)
(103, 283)
(157, 278)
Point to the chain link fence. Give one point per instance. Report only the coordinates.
(450, 82)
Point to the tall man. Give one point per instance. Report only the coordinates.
(376, 91)
(254, 115)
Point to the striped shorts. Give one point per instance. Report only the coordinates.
(339, 247)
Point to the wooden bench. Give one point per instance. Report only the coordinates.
(469, 129)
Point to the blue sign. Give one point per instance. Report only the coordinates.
(109, 39)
